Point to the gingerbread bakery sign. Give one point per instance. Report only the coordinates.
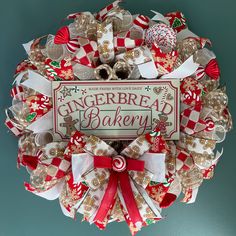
(116, 109)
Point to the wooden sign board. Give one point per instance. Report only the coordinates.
(116, 110)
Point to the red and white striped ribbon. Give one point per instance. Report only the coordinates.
(73, 15)
(13, 128)
(126, 43)
(16, 92)
(104, 11)
(142, 21)
(87, 54)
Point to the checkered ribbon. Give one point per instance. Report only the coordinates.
(101, 15)
(58, 168)
(184, 161)
(88, 53)
(191, 122)
(123, 43)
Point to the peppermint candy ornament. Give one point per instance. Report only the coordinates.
(211, 69)
(141, 21)
(118, 163)
(200, 73)
(63, 37)
(191, 91)
(161, 35)
(210, 125)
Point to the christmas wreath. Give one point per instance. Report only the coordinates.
(119, 180)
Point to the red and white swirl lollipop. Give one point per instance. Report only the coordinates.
(118, 163)
(210, 124)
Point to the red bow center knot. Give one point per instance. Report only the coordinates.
(119, 177)
(119, 163)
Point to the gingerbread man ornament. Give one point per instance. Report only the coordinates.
(162, 123)
(69, 124)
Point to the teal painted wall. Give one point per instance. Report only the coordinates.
(23, 214)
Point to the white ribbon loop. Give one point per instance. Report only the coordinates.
(188, 68)
(38, 83)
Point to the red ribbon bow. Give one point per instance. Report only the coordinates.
(63, 37)
(119, 176)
